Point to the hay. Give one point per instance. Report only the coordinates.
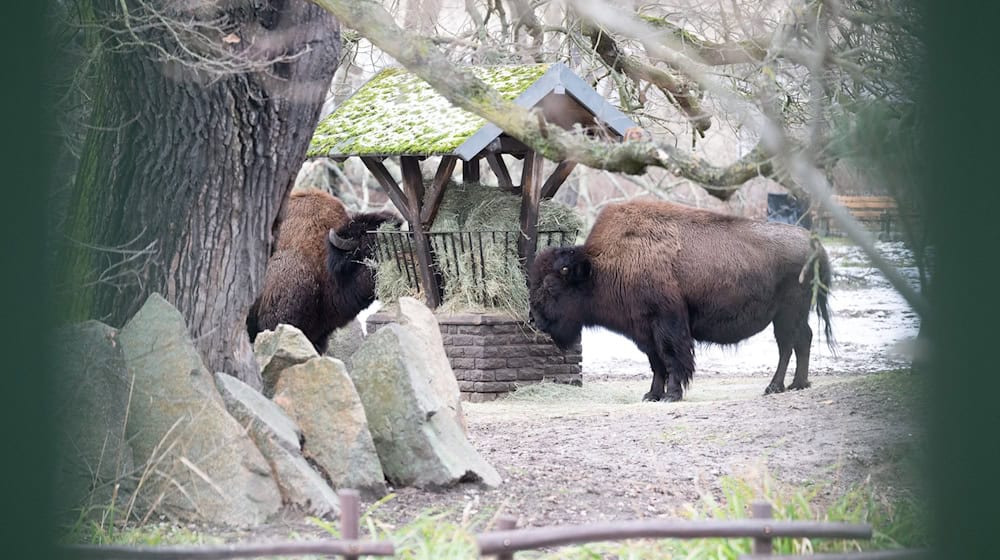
(476, 250)
(458, 201)
(391, 280)
(548, 392)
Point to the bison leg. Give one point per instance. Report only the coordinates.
(675, 348)
(788, 325)
(777, 384)
(802, 345)
(659, 378)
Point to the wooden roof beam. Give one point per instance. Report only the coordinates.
(558, 177)
(384, 178)
(500, 170)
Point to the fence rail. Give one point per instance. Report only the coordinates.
(507, 539)
(346, 548)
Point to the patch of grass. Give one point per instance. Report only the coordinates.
(896, 524)
(448, 535)
(902, 382)
(836, 241)
(88, 531)
(432, 535)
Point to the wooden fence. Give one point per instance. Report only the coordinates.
(507, 539)
(875, 212)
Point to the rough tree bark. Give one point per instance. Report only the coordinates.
(188, 160)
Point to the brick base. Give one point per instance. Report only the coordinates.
(491, 354)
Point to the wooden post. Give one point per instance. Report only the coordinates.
(470, 171)
(531, 188)
(762, 545)
(413, 187)
(506, 523)
(350, 516)
(500, 170)
(432, 200)
(390, 186)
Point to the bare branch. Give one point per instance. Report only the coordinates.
(684, 94)
(709, 52)
(424, 59)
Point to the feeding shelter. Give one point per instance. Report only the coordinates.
(398, 115)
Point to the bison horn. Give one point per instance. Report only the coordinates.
(343, 244)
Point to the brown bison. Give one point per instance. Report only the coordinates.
(666, 275)
(316, 279)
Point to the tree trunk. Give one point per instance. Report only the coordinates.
(186, 166)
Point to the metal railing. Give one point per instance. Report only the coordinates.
(456, 253)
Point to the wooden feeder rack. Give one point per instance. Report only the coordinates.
(398, 247)
(394, 100)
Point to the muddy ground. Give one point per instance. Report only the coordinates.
(570, 455)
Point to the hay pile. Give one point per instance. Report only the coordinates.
(479, 271)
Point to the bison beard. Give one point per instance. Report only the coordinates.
(666, 275)
(316, 279)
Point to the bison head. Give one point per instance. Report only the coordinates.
(351, 243)
(560, 284)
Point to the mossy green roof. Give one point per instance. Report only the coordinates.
(397, 113)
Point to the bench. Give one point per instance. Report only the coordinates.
(877, 213)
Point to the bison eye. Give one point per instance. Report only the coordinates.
(564, 270)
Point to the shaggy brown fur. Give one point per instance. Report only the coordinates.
(666, 275)
(309, 283)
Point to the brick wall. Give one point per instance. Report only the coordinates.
(491, 354)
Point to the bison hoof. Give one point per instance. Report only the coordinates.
(674, 397)
(774, 388)
(652, 397)
(796, 385)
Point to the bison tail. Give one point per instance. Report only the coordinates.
(822, 296)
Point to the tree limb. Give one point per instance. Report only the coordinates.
(420, 56)
(710, 52)
(684, 94)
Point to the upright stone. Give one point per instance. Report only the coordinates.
(91, 406)
(320, 397)
(277, 437)
(345, 341)
(281, 348)
(419, 442)
(199, 463)
(417, 318)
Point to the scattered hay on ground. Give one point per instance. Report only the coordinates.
(590, 392)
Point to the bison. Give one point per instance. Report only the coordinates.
(666, 275)
(316, 279)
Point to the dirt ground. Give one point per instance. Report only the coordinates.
(573, 455)
(570, 455)
(598, 454)
(577, 455)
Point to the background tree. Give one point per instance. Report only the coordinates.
(784, 81)
(199, 114)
